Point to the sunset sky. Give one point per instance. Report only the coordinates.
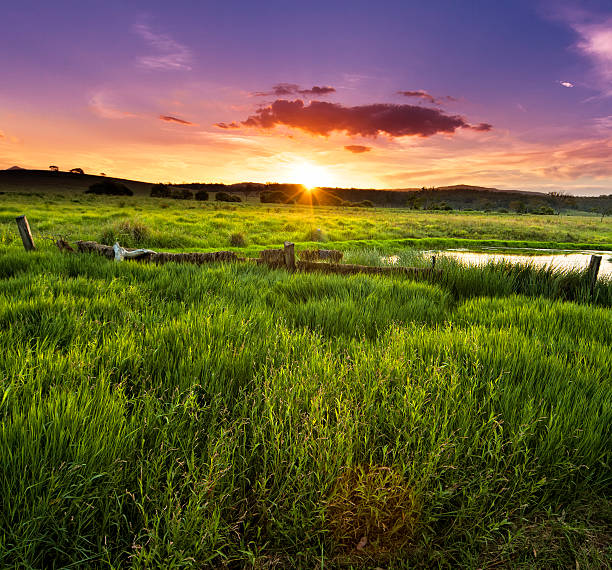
(507, 93)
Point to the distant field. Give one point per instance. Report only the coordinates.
(234, 416)
(191, 225)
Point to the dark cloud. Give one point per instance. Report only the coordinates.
(284, 89)
(481, 127)
(170, 119)
(357, 148)
(232, 125)
(323, 118)
(421, 94)
(316, 90)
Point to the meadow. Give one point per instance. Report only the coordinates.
(189, 225)
(231, 415)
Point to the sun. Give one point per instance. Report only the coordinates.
(310, 175)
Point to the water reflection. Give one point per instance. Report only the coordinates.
(540, 258)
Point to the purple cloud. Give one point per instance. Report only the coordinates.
(323, 118)
(285, 89)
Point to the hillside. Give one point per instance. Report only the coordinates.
(456, 197)
(30, 181)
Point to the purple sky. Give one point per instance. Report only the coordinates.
(513, 94)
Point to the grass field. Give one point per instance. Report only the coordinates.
(184, 416)
(191, 225)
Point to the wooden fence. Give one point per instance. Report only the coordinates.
(273, 258)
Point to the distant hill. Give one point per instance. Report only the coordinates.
(455, 197)
(468, 187)
(16, 179)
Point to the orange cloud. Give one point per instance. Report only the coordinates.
(322, 118)
(357, 148)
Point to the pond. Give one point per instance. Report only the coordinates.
(571, 260)
(558, 259)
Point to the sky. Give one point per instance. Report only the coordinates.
(513, 94)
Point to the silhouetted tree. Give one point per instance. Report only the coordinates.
(160, 191)
(77, 171)
(110, 188)
(225, 197)
(54, 168)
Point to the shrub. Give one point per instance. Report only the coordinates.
(328, 199)
(160, 191)
(164, 191)
(181, 194)
(201, 195)
(110, 188)
(237, 240)
(225, 197)
(272, 197)
(544, 211)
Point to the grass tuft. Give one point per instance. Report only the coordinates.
(372, 511)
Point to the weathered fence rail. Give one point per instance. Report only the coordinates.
(273, 258)
(161, 257)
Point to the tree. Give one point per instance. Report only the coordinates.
(518, 206)
(110, 188)
(77, 171)
(54, 168)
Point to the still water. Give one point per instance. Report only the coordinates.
(558, 259)
(551, 258)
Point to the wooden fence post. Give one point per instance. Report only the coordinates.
(26, 234)
(593, 271)
(290, 256)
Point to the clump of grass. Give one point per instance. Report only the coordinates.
(237, 239)
(315, 234)
(126, 232)
(372, 511)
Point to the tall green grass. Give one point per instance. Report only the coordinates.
(181, 225)
(496, 278)
(183, 416)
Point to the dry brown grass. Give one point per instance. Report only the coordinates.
(372, 512)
